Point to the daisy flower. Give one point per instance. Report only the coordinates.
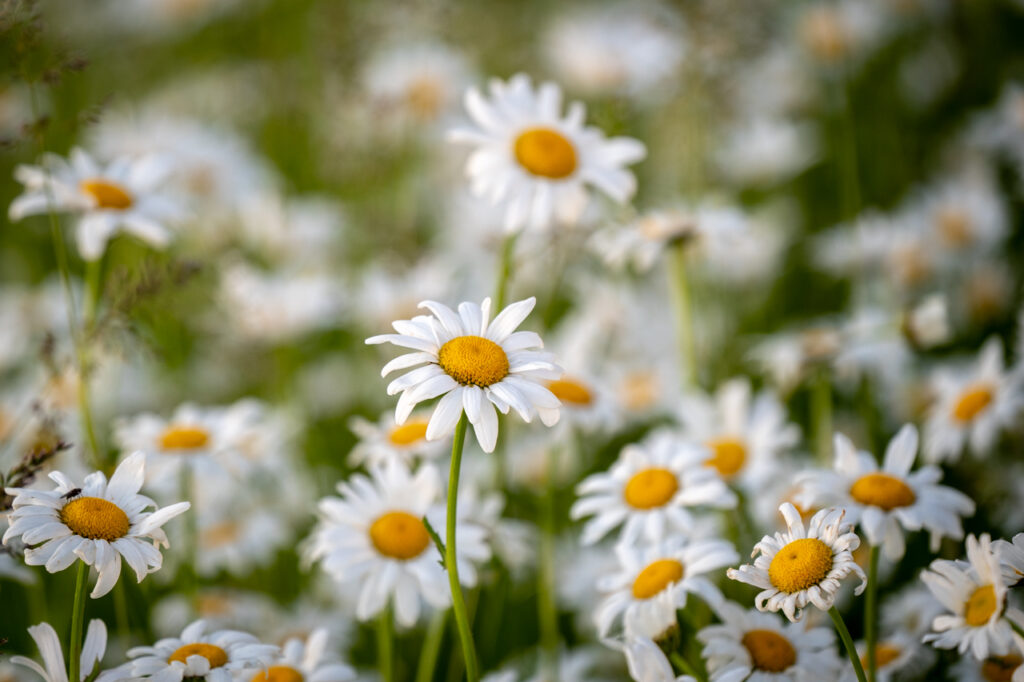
(1011, 557)
(420, 82)
(897, 657)
(219, 656)
(885, 501)
(755, 646)
(97, 522)
(975, 594)
(646, 661)
(665, 572)
(384, 439)
(648, 491)
(53, 668)
(1008, 668)
(972, 406)
(536, 161)
(123, 196)
(474, 366)
(802, 566)
(374, 537)
(305, 660)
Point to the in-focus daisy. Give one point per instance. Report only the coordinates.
(536, 161)
(384, 440)
(801, 566)
(220, 656)
(649, 490)
(305, 661)
(97, 522)
(474, 366)
(885, 501)
(123, 196)
(750, 645)
(374, 537)
(53, 668)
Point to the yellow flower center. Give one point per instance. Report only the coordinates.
(107, 194)
(651, 488)
(95, 518)
(571, 392)
(980, 606)
(473, 360)
(219, 534)
(545, 152)
(212, 653)
(824, 34)
(769, 651)
(399, 535)
(1000, 668)
(424, 97)
(954, 227)
(184, 438)
(656, 577)
(882, 490)
(800, 564)
(729, 456)
(639, 390)
(884, 655)
(972, 402)
(278, 673)
(409, 432)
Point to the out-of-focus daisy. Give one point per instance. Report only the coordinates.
(912, 610)
(384, 440)
(586, 401)
(420, 82)
(373, 536)
(664, 572)
(962, 214)
(474, 365)
(298, 232)
(1008, 668)
(790, 357)
(124, 196)
(1011, 557)
(801, 567)
(887, 500)
(750, 645)
(220, 656)
(305, 660)
(97, 522)
(537, 162)
(649, 490)
(897, 657)
(972, 406)
(53, 668)
(647, 662)
(764, 151)
(837, 32)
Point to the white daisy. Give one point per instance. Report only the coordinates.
(755, 646)
(123, 196)
(802, 566)
(666, 572)
(384, 440)
(537, 162)
(1011, 557)
(420, 83)
(97, 522)
(885, 501)
(972, 406)
(766, 150)
(912, 610)
(898, 656)
(1008, 668)
(374, 537)
(649, 490)
(647, 662)
(53, 668)
(474, 365)
(307, 660)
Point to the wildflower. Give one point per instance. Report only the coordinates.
(53, 668)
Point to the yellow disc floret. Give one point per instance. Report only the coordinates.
(651, 488)
(882, 490)
(800, 564)
(211, 652)
(278, 673)
(729, 455)
(107, 194)
(399, 535)
(980, 605)
(972, 402)
(1000, 668)
(769, 651)
(656, 577)
(545, 152)
(95, 518)
(884, 655)
(410, 432)
(571, 392)
(473, 360)
(179, 437)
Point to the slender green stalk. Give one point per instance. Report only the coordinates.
(508, 247)
(385, 645)
(683, 665)
(547, 610)
(431, 647)
(191, 539)
(121, 615)
(77, 617)
(684, 312)
(871, 612)
(1016, 627)
(821, 415)
(851, 650)
(450, 560)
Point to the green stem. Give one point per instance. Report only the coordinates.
(871, 612)
(385, 644)
(191, 539)
(1016, 627)
(821, 415)
(77, 617)
(682, 664)
(684, 312)
(450, 557)
(431, 647)
(504, 272)
(547, 610)
(851, 650)
(121, 615)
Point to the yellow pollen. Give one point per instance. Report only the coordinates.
(651, 488)
(800, 564)
(107, 194)
(278, 673)
(730, 454)
(473, 360)
(95, 518)
(1000, 668)
(769, 651)
(184, 438)
(212, 653)
(545, 152)
(570, 391)
(399, 535)
(882, 490)
(980, 606)
(409, 432)
(884, 655)
(656, 577)
(972, 402)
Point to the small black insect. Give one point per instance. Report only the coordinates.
(71, 493)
